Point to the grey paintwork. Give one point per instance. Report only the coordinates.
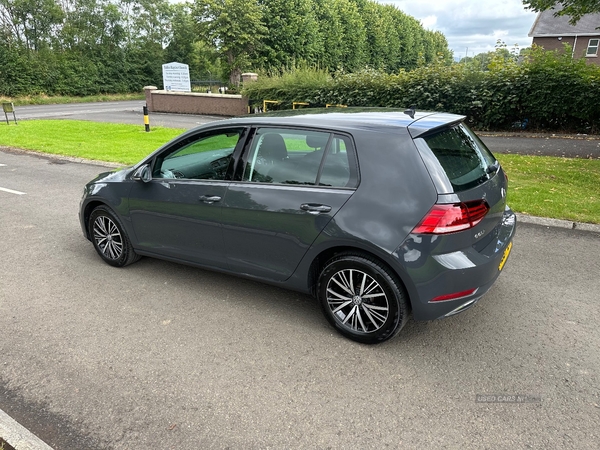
(259, 231)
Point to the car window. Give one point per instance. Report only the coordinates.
(462, 155)
(301, 157)
(336, 170)
(201, 157)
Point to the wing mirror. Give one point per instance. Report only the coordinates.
(142, 173)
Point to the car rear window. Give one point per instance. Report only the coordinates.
(465, 159)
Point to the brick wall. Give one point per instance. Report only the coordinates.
(196, 103)
(553, 43)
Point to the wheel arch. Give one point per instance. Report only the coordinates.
(321, 259)
(87, 212)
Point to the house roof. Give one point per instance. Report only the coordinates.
(547, 25)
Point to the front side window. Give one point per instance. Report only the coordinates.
(592, 49)
(299, 157)
(201, 157)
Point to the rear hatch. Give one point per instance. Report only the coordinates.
(470, 183)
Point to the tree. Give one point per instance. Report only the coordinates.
(573, 8)
(292, 33)
(234, 27)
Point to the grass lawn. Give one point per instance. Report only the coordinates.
(125, 144)
(559, 188)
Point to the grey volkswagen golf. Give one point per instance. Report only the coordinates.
(376, 213)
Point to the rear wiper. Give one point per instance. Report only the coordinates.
(492, 168)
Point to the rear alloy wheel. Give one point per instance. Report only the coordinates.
(109, 238)
(362, 299)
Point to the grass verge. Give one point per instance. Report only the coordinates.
(46, 100)
(559, 188)
(124, 144)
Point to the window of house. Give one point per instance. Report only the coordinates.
(592, 49)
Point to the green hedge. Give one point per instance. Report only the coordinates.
(545, 91)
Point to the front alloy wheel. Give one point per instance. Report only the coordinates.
(109, 238)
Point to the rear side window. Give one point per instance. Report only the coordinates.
(300, 157)
(463, 157)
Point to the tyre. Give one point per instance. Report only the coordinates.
(362, 299)
(109, 238)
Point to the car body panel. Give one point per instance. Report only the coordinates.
(266, 231)
(170, 218)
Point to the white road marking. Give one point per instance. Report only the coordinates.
(2, 165)
(10, 191)
(18, 436)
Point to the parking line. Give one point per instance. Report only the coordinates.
(2, 165)
(18, 436)
(10, 191)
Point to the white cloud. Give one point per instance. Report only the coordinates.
(429, 22)
(472, 26)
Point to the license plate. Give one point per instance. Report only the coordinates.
(505, 256)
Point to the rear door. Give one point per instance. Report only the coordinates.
(291, 184)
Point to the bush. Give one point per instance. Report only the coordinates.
(545, 91)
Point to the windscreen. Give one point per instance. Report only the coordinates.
(465, 159)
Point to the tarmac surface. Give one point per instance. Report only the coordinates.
(159, 355)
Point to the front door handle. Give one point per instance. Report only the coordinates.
(210, 199)
(315, 208)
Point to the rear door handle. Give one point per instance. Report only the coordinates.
(315, 208)
(210, 199)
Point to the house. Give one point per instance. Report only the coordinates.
(584, 37)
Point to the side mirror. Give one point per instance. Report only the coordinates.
(142, 173)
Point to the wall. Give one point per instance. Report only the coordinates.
(552, 43)
(195, 103)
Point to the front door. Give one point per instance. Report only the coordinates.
(178, 213)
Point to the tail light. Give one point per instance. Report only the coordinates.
(450, 218)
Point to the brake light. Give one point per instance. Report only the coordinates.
(450, 218)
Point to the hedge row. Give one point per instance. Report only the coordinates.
(545, 91)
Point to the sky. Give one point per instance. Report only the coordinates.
(472, 26)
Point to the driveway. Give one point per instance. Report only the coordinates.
(159, 355)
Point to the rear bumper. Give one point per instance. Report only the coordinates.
(438, 274)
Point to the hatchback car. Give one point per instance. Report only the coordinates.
(377, 213)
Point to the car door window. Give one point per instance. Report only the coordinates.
(287, 156)
(337, 170)
(200, 157)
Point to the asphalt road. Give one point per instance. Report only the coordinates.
(131, 112)
(159, 355)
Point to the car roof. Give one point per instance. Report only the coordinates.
(371, 119)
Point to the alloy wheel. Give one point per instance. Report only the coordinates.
(108, 238)
(357, 301)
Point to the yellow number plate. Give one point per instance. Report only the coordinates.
(505, 256)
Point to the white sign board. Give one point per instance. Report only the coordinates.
(176, 77)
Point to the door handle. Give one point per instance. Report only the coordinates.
(210, 199)
(315, 208)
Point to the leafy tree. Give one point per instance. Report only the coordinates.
(234, 27)
(32, 22)
(573, 8)
(292, 33)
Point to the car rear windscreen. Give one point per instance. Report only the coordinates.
(465, 159)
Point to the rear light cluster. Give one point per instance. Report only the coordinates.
(450, 218)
